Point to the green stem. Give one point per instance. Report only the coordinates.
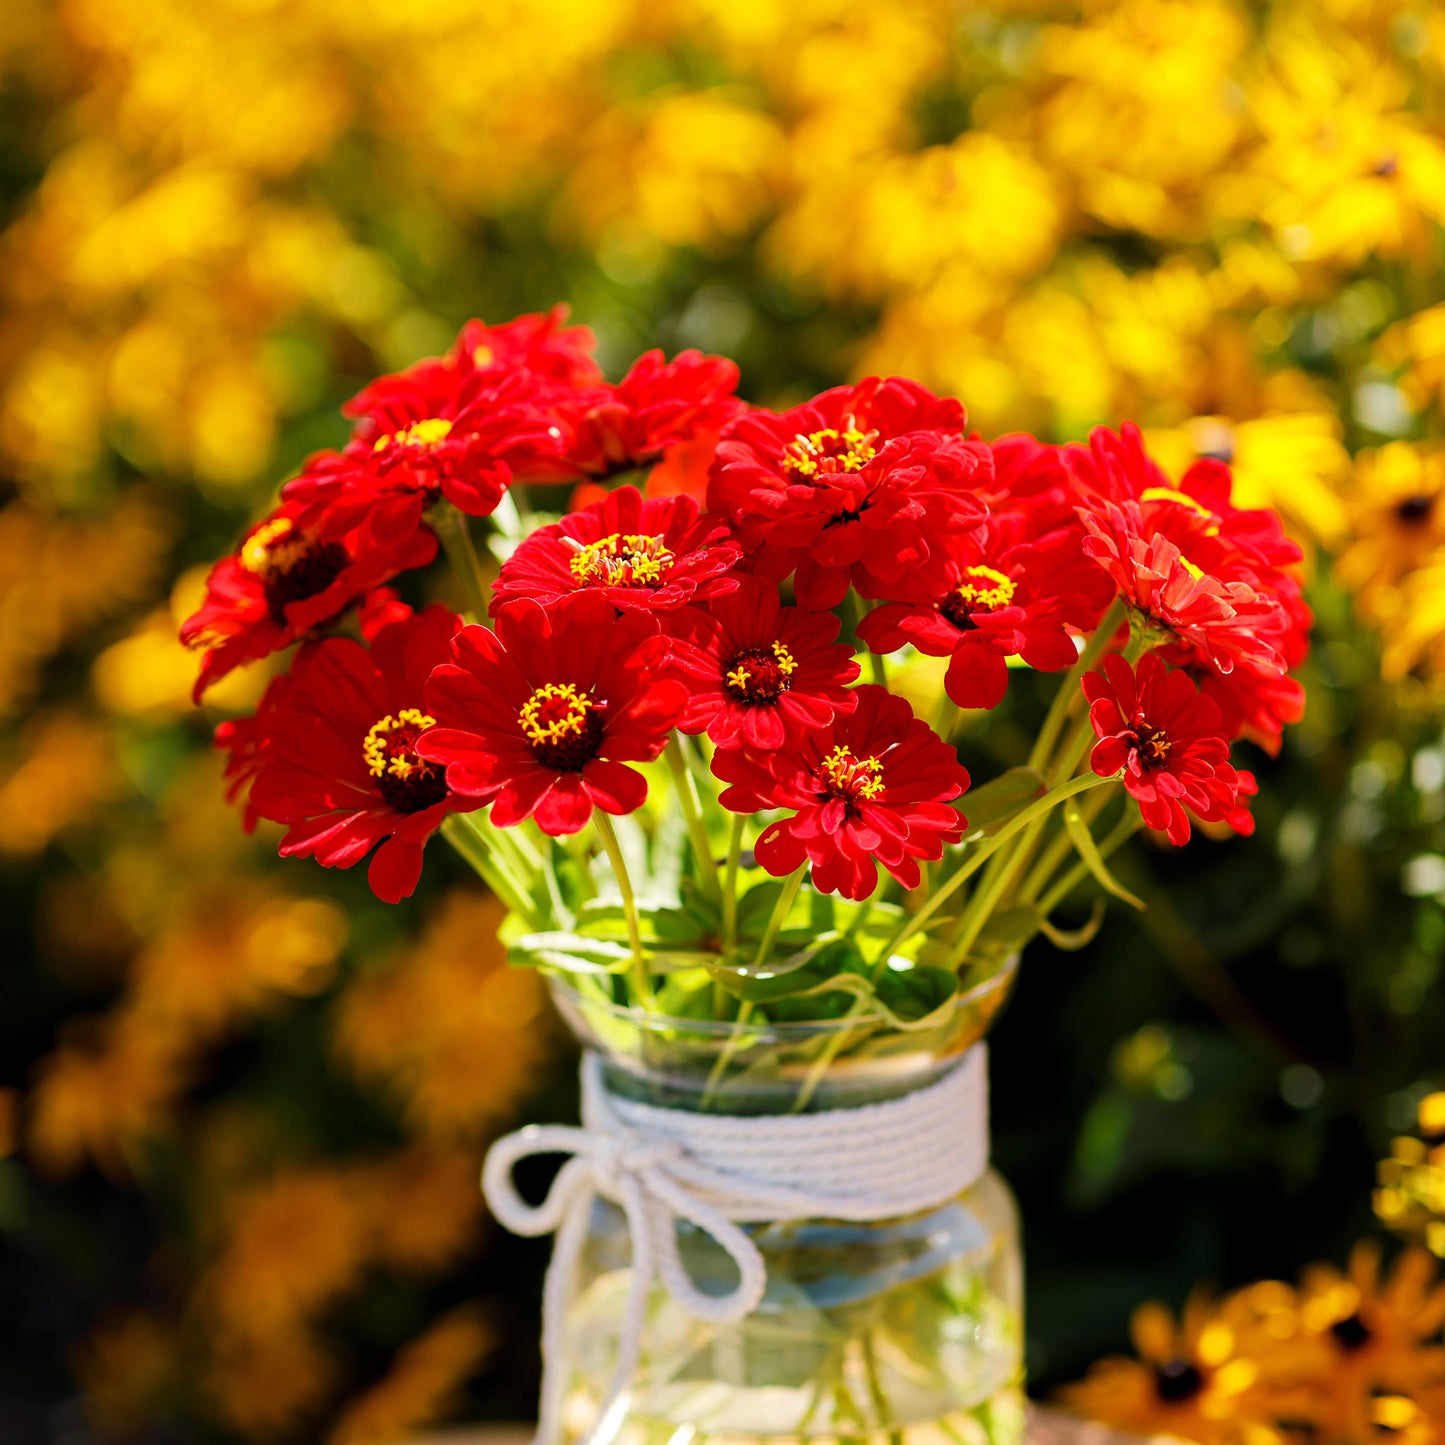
(1129, 824)
(613, 849)
(1066, 697)
(487, 865)
(780, 912)
(451, 527)
(985, 851)
(691, 806)
(730, 885)
(1059, 849)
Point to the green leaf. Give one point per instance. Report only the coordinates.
(599, 918)
(916, 993)
(800, 973)
(756, 906)
(570, 951)
(991, 805)
(1083, 841)
(1073, 939)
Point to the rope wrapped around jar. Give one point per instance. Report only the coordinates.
(718, 1171)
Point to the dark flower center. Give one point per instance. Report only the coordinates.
(759, 675)
(563, 727)
(406, 782)
(1414, 510)
(1351, 1333)
(980, 589)
(1177, 1380)
(624, 559)
(291, 565)
(1152, 744)
(844, 775)
(829, 450)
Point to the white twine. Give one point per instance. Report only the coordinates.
(716, 1170)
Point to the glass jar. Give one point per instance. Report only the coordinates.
(900, 1330)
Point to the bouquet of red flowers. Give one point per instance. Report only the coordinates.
(651, 734)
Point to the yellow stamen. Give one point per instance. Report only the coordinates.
(275, 546)
(419, 434)
(1190, 568)
(849, 450)
(625, 559)
(738, 678)
(374, 748)
(554, 713)
(786, 663)
(853, 776)
(986, 590)
(483, 357)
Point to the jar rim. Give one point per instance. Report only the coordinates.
(1001, 979)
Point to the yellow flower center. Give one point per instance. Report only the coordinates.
(408, 783)
(829, 450)
(760, 674)
(419, 434)
(563, 726)
(625, 559)
(980, 589)
(850, 777)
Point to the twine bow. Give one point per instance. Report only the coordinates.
(666, 1165)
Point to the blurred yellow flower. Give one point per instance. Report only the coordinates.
(1397, 518)
(448, 1029)
(104, 1091)
(1208, 1378)
(65, 770)
(420, 1385)
(1291, 461)
(684, 170)
(1143, 114)
(1380, 1333)
(1344, 170)
(126, 1365)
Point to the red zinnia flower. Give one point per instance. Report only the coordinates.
(332, 753)
(1006, 592)
(860, 484)
(760, 671)
(872, 787)
(1197, 514)
(1224, 618)
(656, 407)
(1168, 741)
(545, 711)
(653, 554)
(294, 571)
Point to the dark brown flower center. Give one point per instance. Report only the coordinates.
(1176, 1381)
(846, 776)
(980, 589)
(1351, 1333)
(829, 450)
(292, 566)
(406, 782)
(563, 726)
(1152, 744)
(759, 675)
(1414, 510)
